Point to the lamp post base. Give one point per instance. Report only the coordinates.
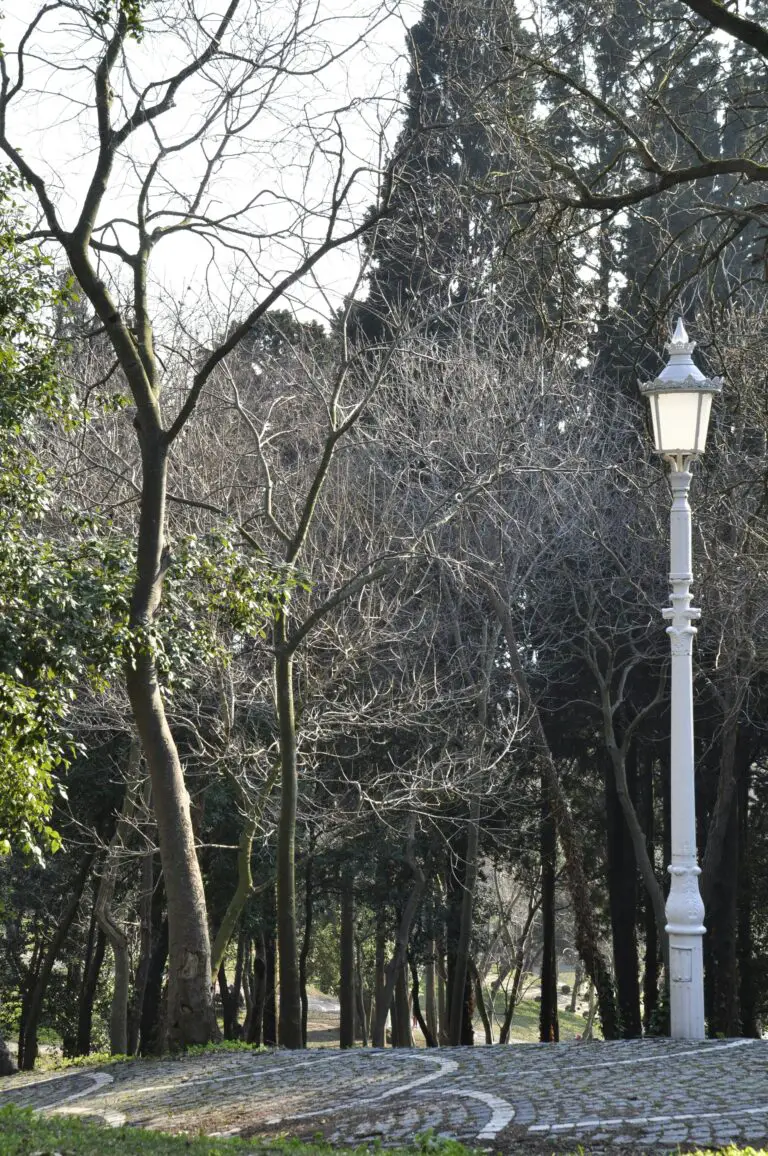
(685, 914)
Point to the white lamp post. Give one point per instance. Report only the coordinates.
(681, 398)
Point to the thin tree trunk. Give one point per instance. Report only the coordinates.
(244, 887)
(347, 962)
(361, 1029)
(270, 1030)
(622, 897)
(227, 1004)
(430, 1039)
(237, 987)
(442, 1004)
(145, 953)
(150, 1030)
(88, 994)
(549, 1024)
(533, 906)
(402, 1036)
(28, 1039)
(118, 1018)
(380, 1008)
(430, 1000)
(480, 1002)
(578, 975)
(397, 963)
(290, 1034)
(94, 957)
(750, 1023)
(306, 942)
(461, 960)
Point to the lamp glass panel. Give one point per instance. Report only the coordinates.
(705, 402)
(678, 424)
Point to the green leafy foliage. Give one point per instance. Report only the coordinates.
(129, 10)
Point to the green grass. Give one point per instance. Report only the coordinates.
(525, 1024)
(23, 1133)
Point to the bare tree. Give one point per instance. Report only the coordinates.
(153, 176)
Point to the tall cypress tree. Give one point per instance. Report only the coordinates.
(446, 243)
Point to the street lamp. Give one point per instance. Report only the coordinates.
(681, 399)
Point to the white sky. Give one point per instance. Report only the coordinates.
(282, 164)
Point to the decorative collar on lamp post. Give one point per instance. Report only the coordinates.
(681, 399)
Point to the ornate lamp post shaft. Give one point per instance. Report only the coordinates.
(681, 397)
(685, 909)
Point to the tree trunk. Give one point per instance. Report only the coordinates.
(401, 1011)
(430, 1039)
(361, 1013)
(652, 953)
(397, 963)
(145, 953)
(88, 994)
(244, 887)
(270, 1029)
(28, 1038)
(722, 988)
(750, 1020)
(228, 1013)
(534, 903)
(290, 1034)
(480, 1002)
(237, 987)
(549, 1024)
(430, 1000)
(7, 1066)
(442, 1008)
(258, 990)
(151, 1032)
(306, 942)
(380, 1008)
(190, 1017)
(578, 975)
(622, 897)
(118, 1018)
(347, 962)
(457, 1031)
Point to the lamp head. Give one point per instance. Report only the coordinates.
(681, 400)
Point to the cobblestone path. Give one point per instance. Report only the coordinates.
(628, 1097)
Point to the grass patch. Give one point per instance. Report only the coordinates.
(24, 1133)
(525, 1023)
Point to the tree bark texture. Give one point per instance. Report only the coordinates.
(270, 1029)
(145, 953)
(549, 1024)
(306, 943)
(152, 1013)
(461, 957)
